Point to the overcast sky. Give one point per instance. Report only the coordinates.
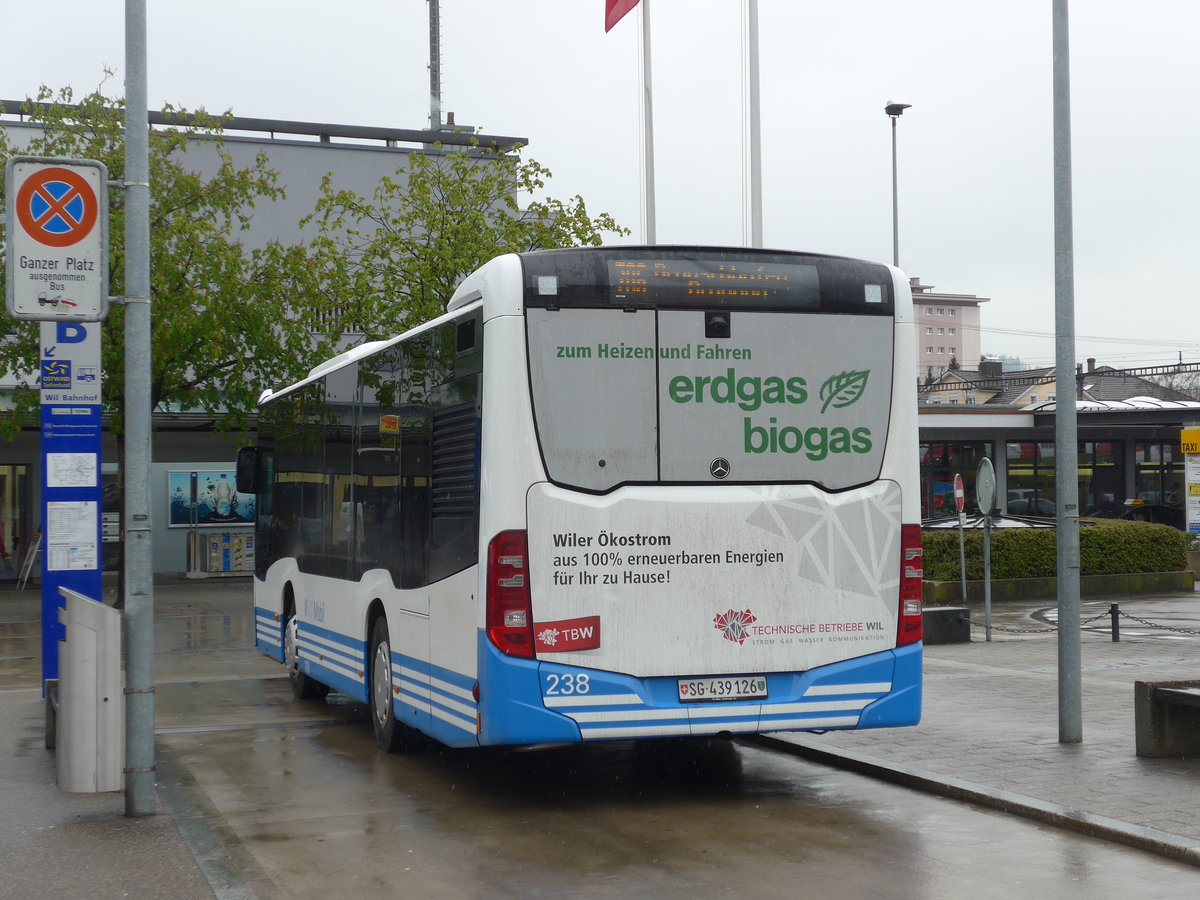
(975, 149)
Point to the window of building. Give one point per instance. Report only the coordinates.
(15, 515)
(941, 312)
(941, 331)
(1158, 473)
(951, 312)
(929, 310)
(1030, 477)
(953, 349)
(954, 331)
(928, 349)
(940, 462)
(971, 398)
(953, 399)
(941, 349)
(929, 329)
(1101, 477)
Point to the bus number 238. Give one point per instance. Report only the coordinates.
(563, 685)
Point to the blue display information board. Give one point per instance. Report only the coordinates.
(71, 488)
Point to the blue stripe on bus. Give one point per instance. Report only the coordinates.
(334, 659)
(268, 633)
(436, 700)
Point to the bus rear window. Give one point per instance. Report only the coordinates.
(704, 396)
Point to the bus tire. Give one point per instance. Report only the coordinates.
(391, 734)
(303, 687)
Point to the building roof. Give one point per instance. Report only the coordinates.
(923, 293)
(1102, 385)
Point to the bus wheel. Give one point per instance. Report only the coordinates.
(392, 735)
(303, 687)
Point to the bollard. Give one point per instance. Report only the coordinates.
(1115, 612)
(90, 732)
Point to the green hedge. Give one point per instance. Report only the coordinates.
(1110, 547)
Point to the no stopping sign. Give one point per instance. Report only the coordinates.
(58, 239)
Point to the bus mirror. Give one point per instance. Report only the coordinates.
(247, 470)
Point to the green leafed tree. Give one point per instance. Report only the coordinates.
(228, 319)
(217, 331)
(390, 261)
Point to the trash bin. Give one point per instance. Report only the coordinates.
(90, 740)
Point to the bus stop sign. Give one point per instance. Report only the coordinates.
(57, 239)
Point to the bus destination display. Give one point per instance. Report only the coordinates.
(713, 280)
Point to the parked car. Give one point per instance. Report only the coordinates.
(1152, 512)
(1032, 506)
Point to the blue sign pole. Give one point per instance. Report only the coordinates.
(71, 488)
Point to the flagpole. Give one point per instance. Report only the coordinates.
(647, 128)
(754, 125)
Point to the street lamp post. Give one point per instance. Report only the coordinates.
(894, 111)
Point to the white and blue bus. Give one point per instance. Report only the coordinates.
(612, 493)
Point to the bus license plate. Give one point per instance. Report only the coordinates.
(746, 687)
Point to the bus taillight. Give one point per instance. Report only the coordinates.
(509, 614)
(910, 628)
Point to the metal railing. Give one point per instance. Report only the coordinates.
(1113, 612)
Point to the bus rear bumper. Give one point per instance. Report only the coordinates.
(531, 702)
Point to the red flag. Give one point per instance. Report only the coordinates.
(615, 10)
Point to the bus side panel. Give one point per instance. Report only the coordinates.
(333, 659)
(451, 671)
(435, 701)
(511, 459)
(900, 459)
(330, 641)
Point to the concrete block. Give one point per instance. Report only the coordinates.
(1165, 725)
(947, 625)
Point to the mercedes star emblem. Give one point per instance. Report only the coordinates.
(719, 467)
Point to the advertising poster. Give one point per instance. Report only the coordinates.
(207, 499)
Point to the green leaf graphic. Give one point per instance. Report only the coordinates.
(842, 390)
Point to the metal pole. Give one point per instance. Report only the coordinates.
(755, 126)
(987, 576)
(1066, 465)
(435, 66)
(895, 202)
(139, 582)
(895, 111)
(648, 127)
(962, 555)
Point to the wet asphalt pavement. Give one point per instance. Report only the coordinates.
(265, 796)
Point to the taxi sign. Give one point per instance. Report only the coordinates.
(1189, 440)
(57, 239)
